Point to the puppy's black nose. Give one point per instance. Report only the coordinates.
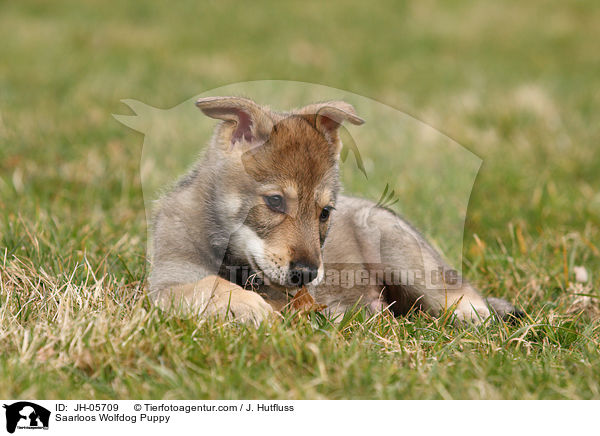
(301, 273)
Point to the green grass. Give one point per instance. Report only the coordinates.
(515, 83)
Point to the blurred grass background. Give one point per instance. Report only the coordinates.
(516, 83)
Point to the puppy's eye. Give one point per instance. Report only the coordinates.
(325, 213)
(275, 203)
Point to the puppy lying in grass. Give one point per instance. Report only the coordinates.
(260, 216)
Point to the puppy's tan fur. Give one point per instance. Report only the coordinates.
(217, 222)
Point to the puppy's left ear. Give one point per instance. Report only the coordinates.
(328, 116)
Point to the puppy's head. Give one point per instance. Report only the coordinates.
(280, 182)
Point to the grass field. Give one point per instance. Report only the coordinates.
(516, 83)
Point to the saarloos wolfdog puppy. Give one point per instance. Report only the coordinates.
(260, 215)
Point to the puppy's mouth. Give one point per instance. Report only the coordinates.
(282, 279)
(264, 275)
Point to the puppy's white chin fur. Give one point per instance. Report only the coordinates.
(320, 275)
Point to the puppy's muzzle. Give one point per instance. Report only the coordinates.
(301, 273)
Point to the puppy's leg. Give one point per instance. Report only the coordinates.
(469, 305)
(214, 296)
(416, 274)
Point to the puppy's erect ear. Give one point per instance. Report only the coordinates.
(250, 122)
(328, 116)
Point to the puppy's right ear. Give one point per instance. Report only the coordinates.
(250, 123)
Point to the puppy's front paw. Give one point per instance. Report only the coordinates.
(472, 311)
(244, 306)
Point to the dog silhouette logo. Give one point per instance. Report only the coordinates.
(26, 415)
